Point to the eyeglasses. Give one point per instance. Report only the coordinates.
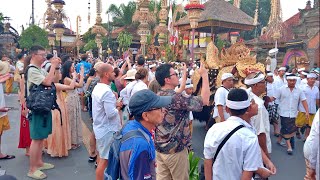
(175, 74)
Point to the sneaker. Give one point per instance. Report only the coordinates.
(283, 144)
(92, 159)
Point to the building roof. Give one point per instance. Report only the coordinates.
(221, 14)
(131, 29)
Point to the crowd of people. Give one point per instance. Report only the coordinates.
(150, 104)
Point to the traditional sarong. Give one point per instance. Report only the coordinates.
(288, 127)
(303, 121)
(273, 113)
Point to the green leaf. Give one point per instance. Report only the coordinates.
(33, 35)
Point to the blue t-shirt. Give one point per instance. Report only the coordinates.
(137, 155)
(87, 66)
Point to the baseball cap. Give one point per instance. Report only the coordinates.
(144, 100)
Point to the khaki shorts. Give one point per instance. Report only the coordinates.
(4, 123)
(104, 144)
(173, 166)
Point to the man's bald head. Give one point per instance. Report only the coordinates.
(103, 69)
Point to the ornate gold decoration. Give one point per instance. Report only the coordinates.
(237, 52)
(212, 56)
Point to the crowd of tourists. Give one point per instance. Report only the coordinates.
(149, 104)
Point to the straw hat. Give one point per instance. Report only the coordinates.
(131, 74)
(4, 67)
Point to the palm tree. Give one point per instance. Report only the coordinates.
(122, 15)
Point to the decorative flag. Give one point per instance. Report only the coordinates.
(170, 25)
(174, 38)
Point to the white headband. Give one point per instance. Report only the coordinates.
(236, 105)
(292, 77)
(312, 75)
(270, 74)
(189, 86)
(282, 69)
(254, 80)
(304, 73)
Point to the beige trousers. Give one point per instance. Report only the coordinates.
(173, 166)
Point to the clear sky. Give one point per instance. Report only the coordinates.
(20, 11)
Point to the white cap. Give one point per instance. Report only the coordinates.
(226, 76)
(273, 51)
(282, 69)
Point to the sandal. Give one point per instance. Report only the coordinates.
(289, 151)
(46, 166)
(92, 159)
(8, 157)
(75, 146)
(276, 134)
(37, 175)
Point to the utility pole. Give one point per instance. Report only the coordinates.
(32, 21)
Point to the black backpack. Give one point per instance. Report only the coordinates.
(113, 171)
(41, 99)
(91, 86)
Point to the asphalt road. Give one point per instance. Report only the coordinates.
(75, 166)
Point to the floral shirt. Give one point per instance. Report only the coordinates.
(173, 134)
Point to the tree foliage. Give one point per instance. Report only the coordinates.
(122, 15)
(249, 6)
(33, 35)
(124, 39)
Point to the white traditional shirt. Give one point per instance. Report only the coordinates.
(271, 90)
(261, 121)
(280, 82)
(130, 89)
(311, 146)
(220, 99)
(289, 101)
(303, 83)
(2, 101)
(151, 76)
(240, 153)
(104, 112)
(312, 94)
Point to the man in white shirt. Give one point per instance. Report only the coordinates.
(272, 106)
(105, 113)
(220, 97)
(240, 156)
(312, 151)
(152, 72)
(280, 80)
(312, 94)
(257, 84)
(289, 97)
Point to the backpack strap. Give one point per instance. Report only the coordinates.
(134, 134)
(225, 140)
(26, 80)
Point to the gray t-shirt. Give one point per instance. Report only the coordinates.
(35, 76)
